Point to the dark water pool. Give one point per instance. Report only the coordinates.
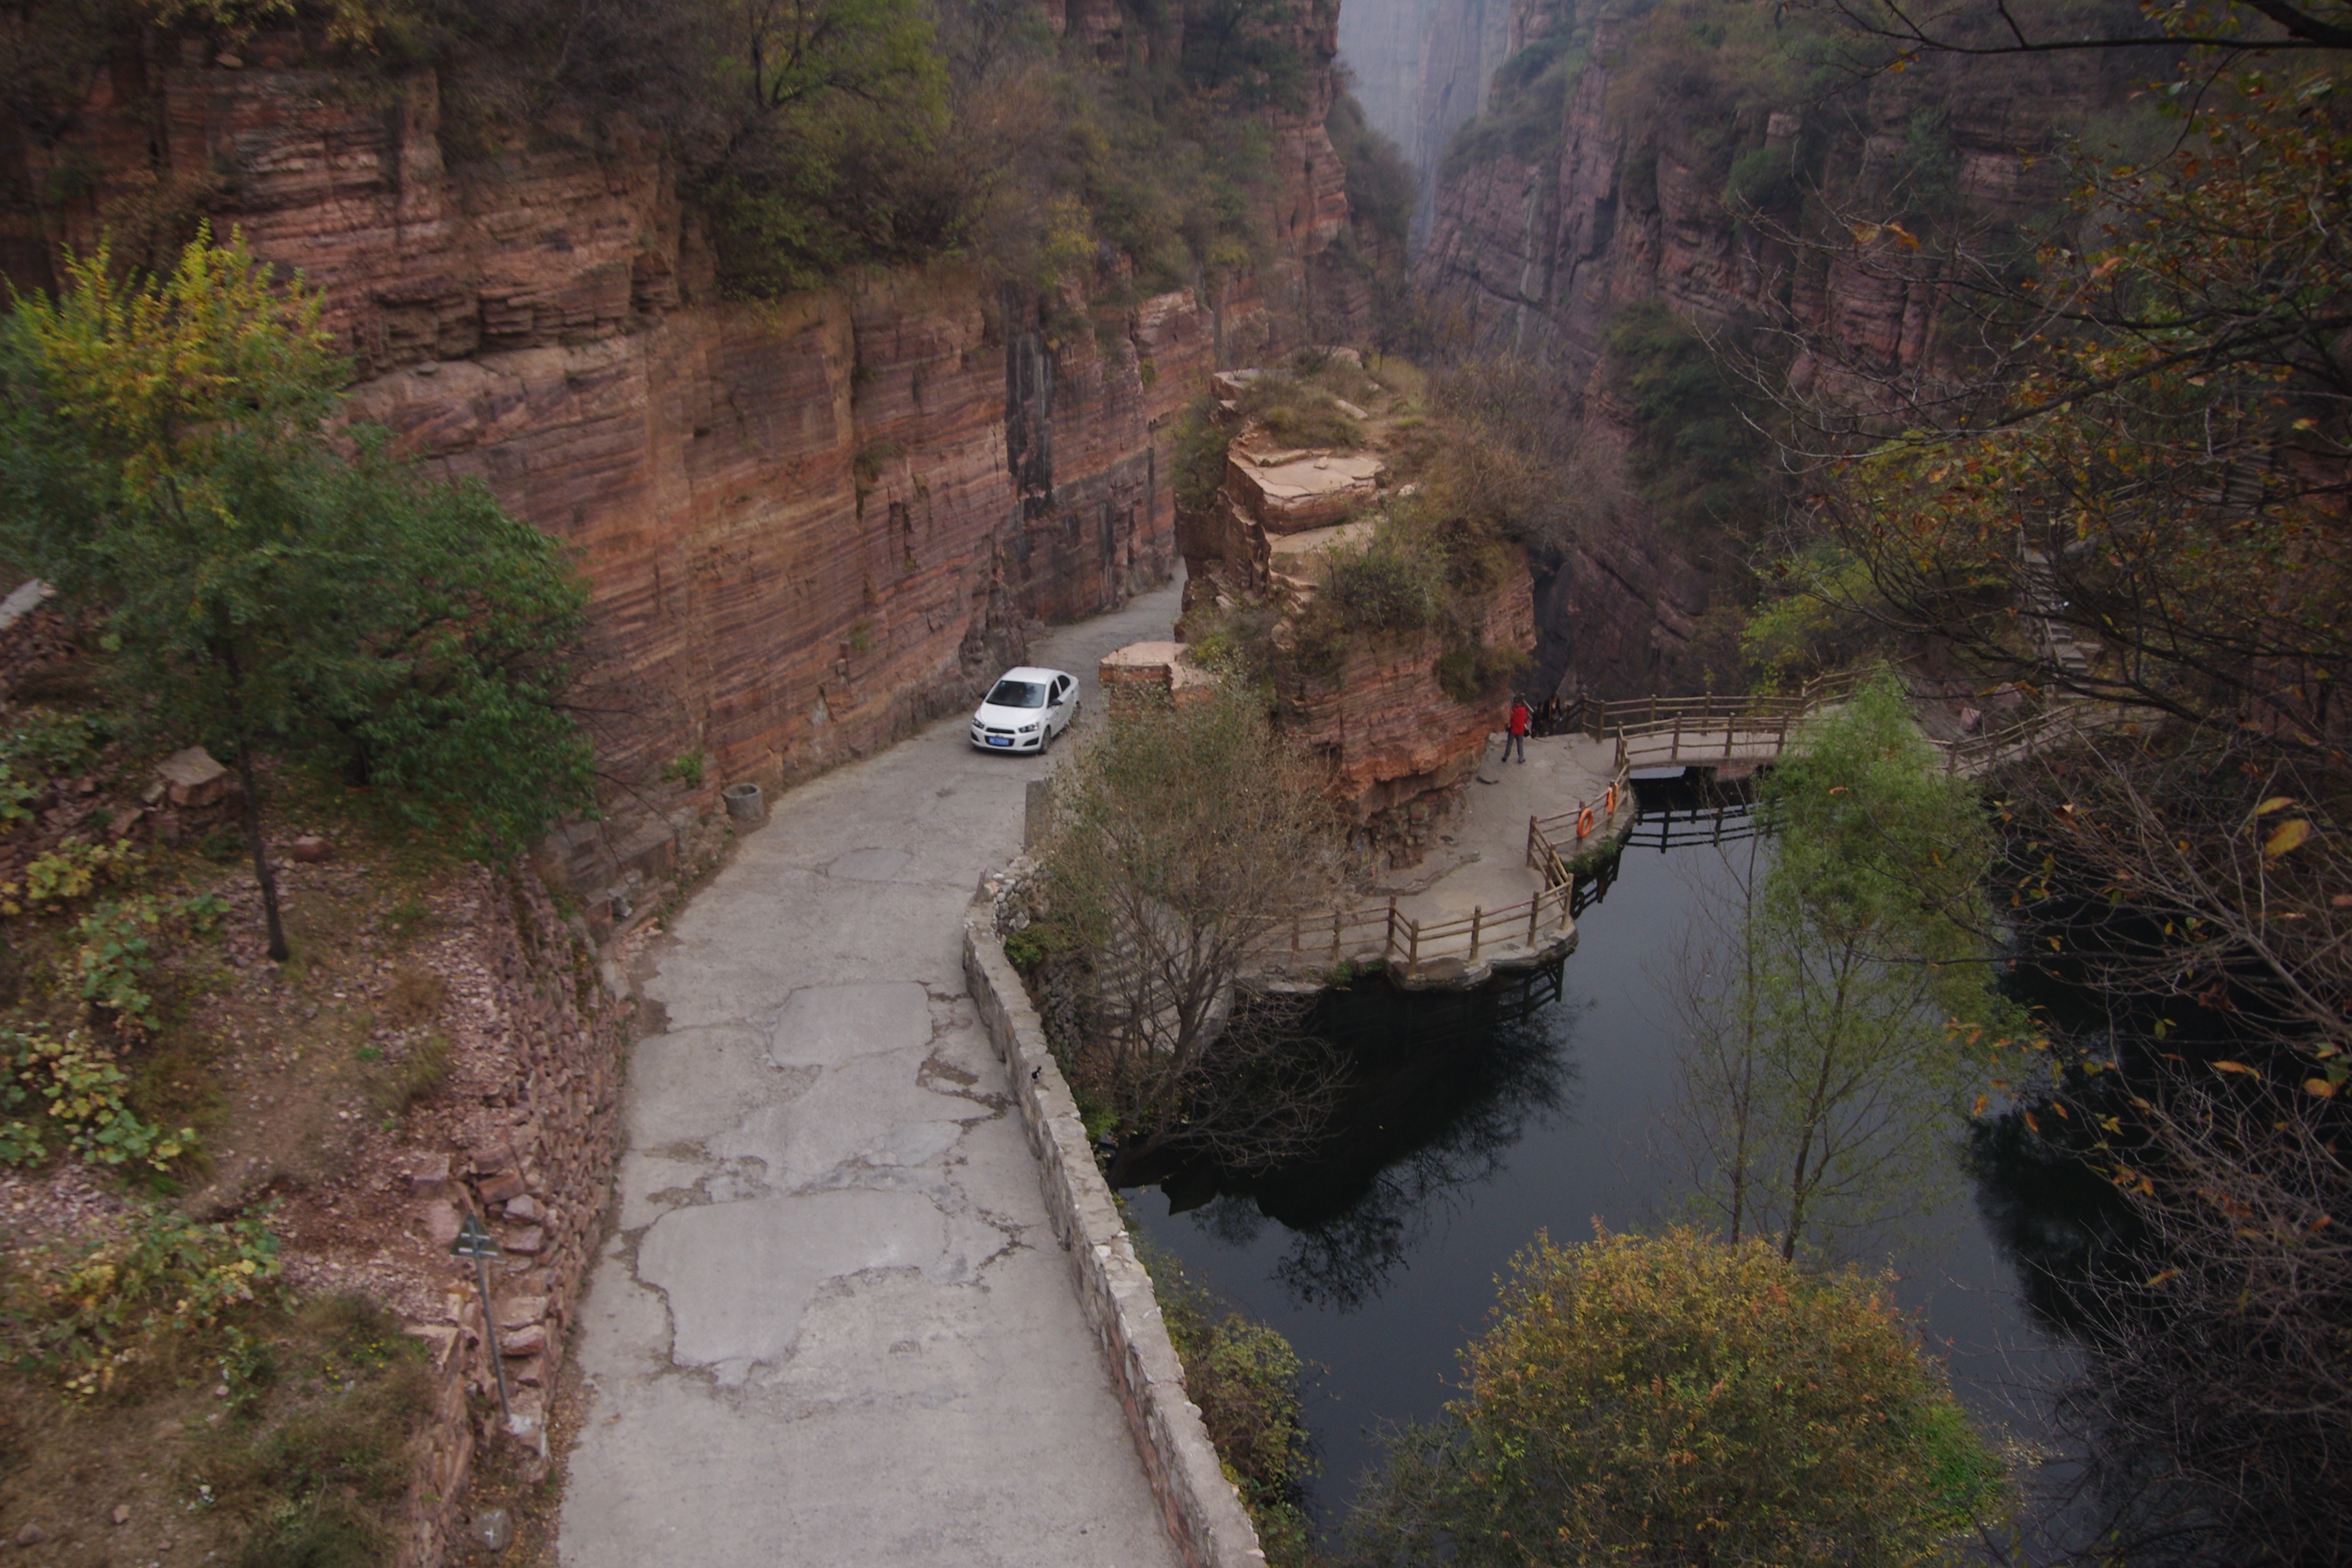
(1535, 1106)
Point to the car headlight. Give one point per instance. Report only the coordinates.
(1031, 729)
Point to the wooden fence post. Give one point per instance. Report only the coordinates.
(1388, 936)
(1411, 944)
(1337, 916)
(1674, 751)
(1477, 919)
(1535, 908)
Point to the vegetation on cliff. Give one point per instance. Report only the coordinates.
(813, 135)
(167, 465)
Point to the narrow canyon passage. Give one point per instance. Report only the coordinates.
(832, 1326)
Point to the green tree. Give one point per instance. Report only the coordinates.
(1185, 837)
(1679, 1399)
(1834, 1017)
(270, 585)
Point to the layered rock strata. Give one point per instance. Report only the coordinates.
(807, 525)
(1397, 745)
(1534, 249)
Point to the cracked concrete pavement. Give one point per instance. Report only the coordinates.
(831, 1326)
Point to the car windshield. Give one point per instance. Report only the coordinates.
(1017, 694)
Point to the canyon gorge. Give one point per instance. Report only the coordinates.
(812, 523)
(1577, 159)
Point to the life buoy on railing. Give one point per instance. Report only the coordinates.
(1584, 823)
(1609, 801)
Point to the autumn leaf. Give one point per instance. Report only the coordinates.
(2237, 1067)
(2275, 803)
(2156, 1280)
(2320, 1087)
(2288, 835)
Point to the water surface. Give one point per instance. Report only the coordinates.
(1535, 1106)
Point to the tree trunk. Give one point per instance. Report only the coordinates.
(262, 872)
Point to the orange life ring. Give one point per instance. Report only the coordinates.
(1609, 801)
(1584, 823)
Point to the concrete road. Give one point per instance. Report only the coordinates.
(833, 1328)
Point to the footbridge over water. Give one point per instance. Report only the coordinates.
(1741, 733)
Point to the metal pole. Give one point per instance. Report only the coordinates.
(490, 1330)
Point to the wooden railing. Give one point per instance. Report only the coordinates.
(1547, 836)
(1405, 943)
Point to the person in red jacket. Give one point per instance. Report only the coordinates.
(1518, 733)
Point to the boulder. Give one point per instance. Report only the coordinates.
(194, 778)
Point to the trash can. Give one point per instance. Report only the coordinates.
(745, 803)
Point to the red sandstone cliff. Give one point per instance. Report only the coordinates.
(1534, 250)
(808, 525)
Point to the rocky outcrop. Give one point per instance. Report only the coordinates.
(807, 525)
(1397, 745)
(1400, 747)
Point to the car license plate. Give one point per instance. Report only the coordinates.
(1000, 740)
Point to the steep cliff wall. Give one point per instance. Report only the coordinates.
(1541, 235)
(1420, 68)
(808, 524)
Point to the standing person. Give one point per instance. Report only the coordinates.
(1518, 735)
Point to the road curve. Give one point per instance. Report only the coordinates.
(832, 1327)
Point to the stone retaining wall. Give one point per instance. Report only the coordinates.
(534, 1162)
(1202, 1511)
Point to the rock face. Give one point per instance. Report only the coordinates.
(807, 525)
(1398, 747)
(1533, 249)
(1422, 69)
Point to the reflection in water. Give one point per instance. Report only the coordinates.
(1443, 1086)
(1477, 1127)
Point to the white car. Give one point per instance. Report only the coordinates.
(1025, 710)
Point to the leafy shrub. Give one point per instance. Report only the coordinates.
(1382, 585)
(1478, 672)
(75, 1097)
(1245, 1378)
(43, 745)
(1299, 414)
(1680, 1399)
(1763, 181)
(111, 957)
(686, 768)
(16, 797)
(87, 1316)
(71, 871)
(1199, 462)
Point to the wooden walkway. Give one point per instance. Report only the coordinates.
(1661, 732)
(1457, 951)
(1463, 951)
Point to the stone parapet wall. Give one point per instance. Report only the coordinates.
(1202, 1511)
